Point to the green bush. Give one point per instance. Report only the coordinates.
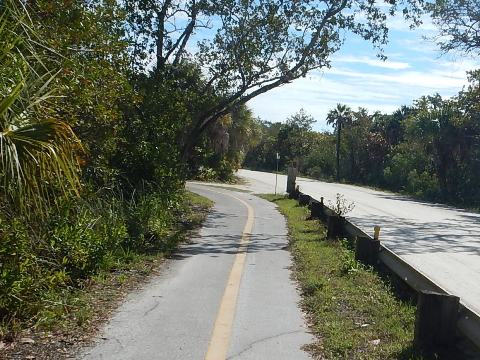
(43, 259)
(149, 220)
(80, 234)
(422, 184)
(19, 279)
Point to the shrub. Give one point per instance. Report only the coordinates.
(41, 260)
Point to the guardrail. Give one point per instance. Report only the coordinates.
(440, 316)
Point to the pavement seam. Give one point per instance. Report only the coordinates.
(268, 338)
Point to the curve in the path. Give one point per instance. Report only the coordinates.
(174, 316)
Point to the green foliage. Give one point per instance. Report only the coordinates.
(127, 196)
(294, 138)
(92, 58)
(262, 156)
(252, 47)
(149, 217)
(76, 240)
(350, 265)
(457, 22)
(341, 117)
(225, 145)
(341, 206)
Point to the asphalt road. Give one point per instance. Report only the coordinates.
(440, 241)
(226, 295)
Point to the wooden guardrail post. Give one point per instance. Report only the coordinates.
(367, 250)
(303, 199)
(292, 173)
(295, 193)
(436, 321)
(316, 209)
(334, 227)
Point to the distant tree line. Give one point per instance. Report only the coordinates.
(430, 149)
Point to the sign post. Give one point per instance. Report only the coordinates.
(276, 174)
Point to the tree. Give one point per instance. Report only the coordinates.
(294, 137)
(458, 22)
(263, 155)
(320, 161)
(340, 116)
(253, 46)
(37, 151)
(356, 134)
(92, 64)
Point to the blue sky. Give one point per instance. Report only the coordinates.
(414, 68)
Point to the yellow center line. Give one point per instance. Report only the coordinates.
(222, 330)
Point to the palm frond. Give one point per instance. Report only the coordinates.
(37, 157)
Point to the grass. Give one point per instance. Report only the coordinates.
(72, 316)
(354, 313)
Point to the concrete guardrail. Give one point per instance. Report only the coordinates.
(440, 316)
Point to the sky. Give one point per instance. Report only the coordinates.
(414, 68)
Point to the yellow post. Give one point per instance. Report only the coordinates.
(376, 232)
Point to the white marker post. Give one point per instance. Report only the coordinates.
(276, 174)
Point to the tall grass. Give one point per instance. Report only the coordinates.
(76, 239)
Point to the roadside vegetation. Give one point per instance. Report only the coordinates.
(62, 318)
(352, 310)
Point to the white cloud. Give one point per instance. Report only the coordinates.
(398, 23)
(388, 64)
(417, 79)
(386, 92)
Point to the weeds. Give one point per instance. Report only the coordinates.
(341, 206)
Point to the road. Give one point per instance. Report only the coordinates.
(441, 242)
(226, 295)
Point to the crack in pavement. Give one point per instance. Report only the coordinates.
(251, 345)
(152, 308)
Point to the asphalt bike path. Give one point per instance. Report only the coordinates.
(228, 294)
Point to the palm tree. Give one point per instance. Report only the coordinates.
(37, 153)
(339, 117)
